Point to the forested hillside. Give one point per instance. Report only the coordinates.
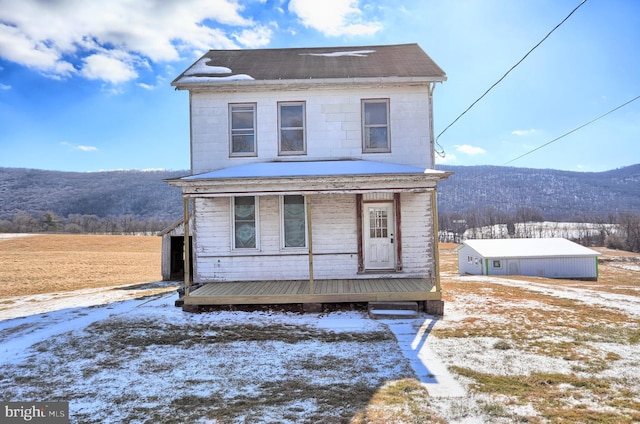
(143, 195)
(558, 195)
(140, 194)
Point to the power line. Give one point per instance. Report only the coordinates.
(572, 131)
(438, 146)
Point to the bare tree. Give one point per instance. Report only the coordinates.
(630, 227)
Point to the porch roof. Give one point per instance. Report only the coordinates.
(334, 176)
(323, 168)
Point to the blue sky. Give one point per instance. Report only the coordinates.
(84, 85)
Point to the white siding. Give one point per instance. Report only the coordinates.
(333, 126)
(334, 241)
(579, 267)
(469, 261)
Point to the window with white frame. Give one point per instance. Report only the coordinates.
(242, 130)
(497, 264)
(294, 221)
(375, 126)
(291, 123)
(245, 222)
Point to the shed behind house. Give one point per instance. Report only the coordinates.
(546, 257)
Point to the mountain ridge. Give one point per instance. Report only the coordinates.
(559, 195)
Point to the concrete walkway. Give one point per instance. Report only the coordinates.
(413, 339)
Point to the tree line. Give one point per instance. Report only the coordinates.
(49, 222)
(619, 230)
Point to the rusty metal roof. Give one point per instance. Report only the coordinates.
(400, 61)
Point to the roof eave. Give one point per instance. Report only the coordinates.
(353, 183)
(292, 84)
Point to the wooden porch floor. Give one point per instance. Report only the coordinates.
(324, 291)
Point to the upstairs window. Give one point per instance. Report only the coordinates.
(291, 123)
(242, 127)
(294, 221)
(375, 126)
(245, 221)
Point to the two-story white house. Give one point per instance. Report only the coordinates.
(312, 176)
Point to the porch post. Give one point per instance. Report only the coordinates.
(187, 258)
(436, 250)
(307, 200)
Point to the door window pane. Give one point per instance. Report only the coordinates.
(378, 223)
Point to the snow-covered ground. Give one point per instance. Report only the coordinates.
(85, 347)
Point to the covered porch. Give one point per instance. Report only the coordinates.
(336, 261)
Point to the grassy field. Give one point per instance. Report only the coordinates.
(581, 356)
(61, 262)
(528, 350)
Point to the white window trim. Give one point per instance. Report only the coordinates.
(364, 127)
(304, 129)
(304, 248)
(233, 225)
(255, 130)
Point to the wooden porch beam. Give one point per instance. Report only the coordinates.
(436, 250)
(359, 232)
(398, 237)
(307, 201)
(187, 257)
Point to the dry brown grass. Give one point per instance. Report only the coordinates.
(612, 277)
(540, 323)
(63, 262)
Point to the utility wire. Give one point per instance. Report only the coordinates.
(572, 131)
(439, 149)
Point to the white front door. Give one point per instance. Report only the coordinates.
(379, 230)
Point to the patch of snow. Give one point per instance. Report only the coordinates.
(6, 236)
(25, 306)
(626, 303)
(478, 354)
(201, 71)
(238, 77)
(628, 267)
(202, 67)
(30, 324)
(354, 53)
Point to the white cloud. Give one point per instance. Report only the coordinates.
(448, 158)
(520, 133)
(468, 149)
(333, 17)
(103, 67)
(4, 86)
(255, 37)
(77, 37)
(80, 147)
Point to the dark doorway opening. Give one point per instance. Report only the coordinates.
(177, 258)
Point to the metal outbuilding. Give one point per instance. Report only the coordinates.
(539, 257)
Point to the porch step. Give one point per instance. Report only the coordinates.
(393, 310)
